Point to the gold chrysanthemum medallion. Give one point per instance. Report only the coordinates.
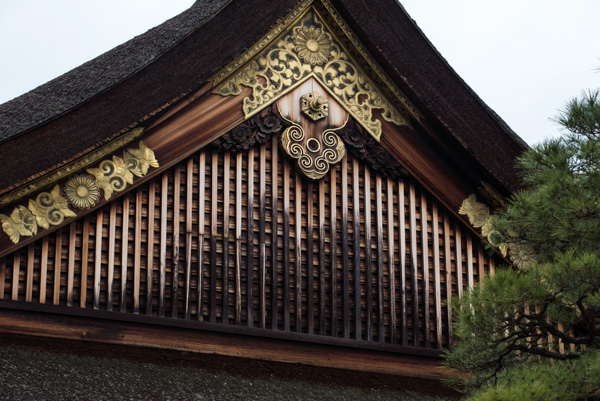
(82, 192)
(312, 45)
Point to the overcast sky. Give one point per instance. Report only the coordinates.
(524, 58)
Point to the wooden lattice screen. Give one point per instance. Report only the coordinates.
(242, 239)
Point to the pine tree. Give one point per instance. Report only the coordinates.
(532, 331)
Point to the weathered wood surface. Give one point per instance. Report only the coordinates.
(243, 240)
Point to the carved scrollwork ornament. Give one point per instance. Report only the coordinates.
(140, 160)
(314, 156)
(20, 223)
(307, 50)
(50, 208)
(112, 175)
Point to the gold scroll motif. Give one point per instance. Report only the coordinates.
(51, 208)
(314, 155)
(71, 168)
(307, 50)
(522, 255)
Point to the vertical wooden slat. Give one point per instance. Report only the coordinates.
(201, 206)
(492, 265)
(85, 249)
(356, 221)
(391, 262)
(262, 251)
(112, 224)
(402, 248)
(425, 261)
(310, 261)
(16, 276)
(98, 260)
(298, 209)
(29, 285)
(164, 192)
(459, 270)
(176, 245)
(436, 275)
(322, 284)
(137, 251)
(213, 235)
(188, 237)
(345, 256)
(238, 239)
(250, 272)
(3, 276)
(333, 253)
(448, 267)
(150, 252)
(470, 261)
(413, 265)
(368, 257)
(57, 267)
(43, 272)
(286, 238)
(380, 288)
(124, 253)
(70, 263)
(480, 264)
(274, 246)
(225, 295)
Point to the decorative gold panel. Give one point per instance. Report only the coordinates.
(51, 208)
(309, 49)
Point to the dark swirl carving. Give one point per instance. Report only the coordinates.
(258, 129)
(362, 146)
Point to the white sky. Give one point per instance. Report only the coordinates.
(524, 58)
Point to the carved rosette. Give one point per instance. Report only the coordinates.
(82, 192)
(315, 156)
(258, 129)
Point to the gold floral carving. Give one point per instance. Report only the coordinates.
(140, 160)
(308, 49)
(20, 222)
(70, 168)
(522, 255)
(314, 155)
(312, 45)
(50, 208)
(82, 192)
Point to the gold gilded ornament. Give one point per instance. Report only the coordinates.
(112, 175)
(140, 160)
(314, 156)
(70, 168)
(20, 222)
(314, 106)
(50, 208)
(306, 50)
(478, 213)
(522, 255)
(312, 45)
(82, 192)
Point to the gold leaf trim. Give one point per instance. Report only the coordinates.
(70, 168)
(51, 208)
(288, 62)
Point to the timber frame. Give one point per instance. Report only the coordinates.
(190, 222)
